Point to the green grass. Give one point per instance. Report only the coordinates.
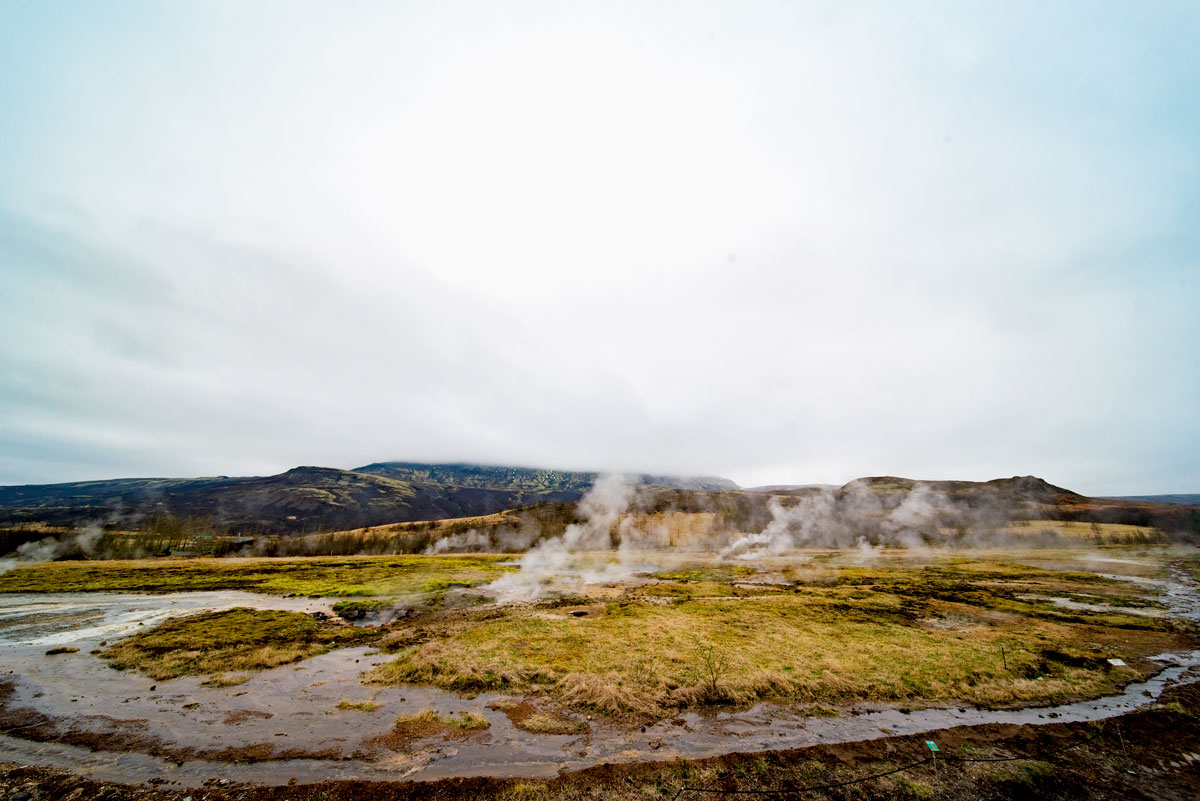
(352, 610)
(359, 706)
(644, 658)
(389, 576)
(463, 721)
(847, 633)
(215, 643)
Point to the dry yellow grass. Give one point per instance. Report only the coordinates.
(955, 632)
(358, 706)
(1086, 532)
(226, 680)
(466, 721)
(218, 644)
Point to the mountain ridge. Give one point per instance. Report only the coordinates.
(308, 499)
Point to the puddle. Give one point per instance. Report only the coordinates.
(291, 710)
(1068, 603)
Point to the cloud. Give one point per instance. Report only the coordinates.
(798, 243)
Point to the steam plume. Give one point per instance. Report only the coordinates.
(51, 548)
(565, 558)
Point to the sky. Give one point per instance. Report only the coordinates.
(782, 242)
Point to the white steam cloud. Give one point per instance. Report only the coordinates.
(616, 542)
(584, 553)
(50, 548)
(859, 518)
(471, 540)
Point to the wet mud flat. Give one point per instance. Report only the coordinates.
(316, 721)
(1149, 753)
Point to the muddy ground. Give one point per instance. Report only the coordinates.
(1152, 753)
(186, 737)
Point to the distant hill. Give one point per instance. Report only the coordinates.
(969, 513)
(308, 499)
(1179, 500)
(780, 488)
(526, 479)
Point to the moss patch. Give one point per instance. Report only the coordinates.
(216, 643)
(388, 576)
(427, 723)
(953, 632)
(357, 610)
(358, 706)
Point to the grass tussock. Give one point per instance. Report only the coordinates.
(463, 721)
(239, 640)
(549, 723)
(527, 717)
(650, 659)
(949, 632)
(357, 610)
(358, 706)
(226, 680)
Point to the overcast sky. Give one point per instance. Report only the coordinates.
(784, 242)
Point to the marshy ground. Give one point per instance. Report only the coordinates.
(693, 658)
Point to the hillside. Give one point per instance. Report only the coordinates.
(308, 499)
(1186, 499)
(1019, 511)
(544, 483)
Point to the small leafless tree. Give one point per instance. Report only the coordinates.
(713, 664)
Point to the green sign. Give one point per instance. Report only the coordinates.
(932, 745)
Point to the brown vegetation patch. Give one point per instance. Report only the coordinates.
(242, 715)
(527, 717)
(239, 639)
(409, 729)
